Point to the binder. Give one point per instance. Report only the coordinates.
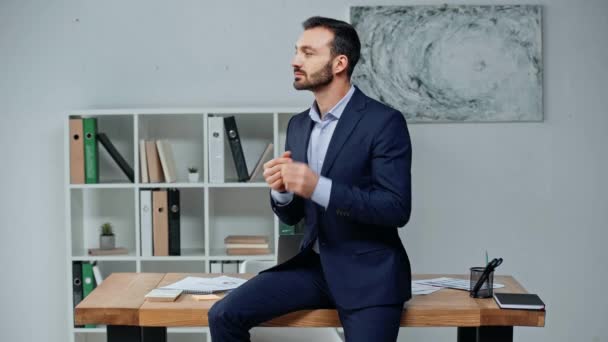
(143, 162)
(76, 151)
(88, 283)
(215, 266)
(165, 154)
(97, 274)
(154, 168)
(234, 140)
(122, 163)
(145, 221)
(160, 223)
(91, 163)
(174, 214)
(77, 285)
(216, 149)
(231, 266)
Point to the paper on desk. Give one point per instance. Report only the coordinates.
(452, 283)
(421, 289)
(199, 285)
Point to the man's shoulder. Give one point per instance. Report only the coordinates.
(300, 116)
(378, 108)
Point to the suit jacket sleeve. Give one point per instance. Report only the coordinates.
(293, 212)
(387, 202)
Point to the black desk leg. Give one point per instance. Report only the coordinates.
(124, 333)
(485, 334)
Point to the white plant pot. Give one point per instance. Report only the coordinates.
(107, 242)
(193, 177)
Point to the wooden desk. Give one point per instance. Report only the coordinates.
(119, 303)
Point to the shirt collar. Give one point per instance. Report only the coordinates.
(336, 111)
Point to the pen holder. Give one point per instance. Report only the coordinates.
(487, 288)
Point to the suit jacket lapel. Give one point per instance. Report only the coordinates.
(349, 119)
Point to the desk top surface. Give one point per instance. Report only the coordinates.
(119, 300)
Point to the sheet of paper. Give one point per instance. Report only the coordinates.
(206, 285)
(421, 289)
(452, 283)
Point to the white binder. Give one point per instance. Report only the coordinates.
(145, 205)
(216, 149)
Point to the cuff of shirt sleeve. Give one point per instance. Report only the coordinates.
(322, 192)
(281, 198)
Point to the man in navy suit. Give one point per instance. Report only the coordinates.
(346, 171)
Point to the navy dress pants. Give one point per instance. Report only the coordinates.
(301, 287)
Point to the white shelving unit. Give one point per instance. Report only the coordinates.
(209, 211)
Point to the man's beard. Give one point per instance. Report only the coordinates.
(317, 80)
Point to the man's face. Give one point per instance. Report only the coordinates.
(312, 62)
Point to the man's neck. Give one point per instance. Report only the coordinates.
(328, 96)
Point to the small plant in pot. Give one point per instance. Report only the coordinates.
(193, 175)
(106, 239)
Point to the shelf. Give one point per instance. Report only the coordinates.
(208, 211)
(103, 186)
(239, 185)
(192, 254)
(220, 254)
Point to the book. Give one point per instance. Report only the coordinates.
(216, 149)
(76, 151)
(247, 245)
(247, 251)
(113, 251)
(143, 162)
(257, 170)
(91, 162)
(520, 301)
(163, 295)
(246, 239)
(118, 158)
(167, 162)
(97, 274)
(234, 140)
(155, 171)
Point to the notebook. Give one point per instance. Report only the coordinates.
(522, 301)
(162, 295)
(198, 285)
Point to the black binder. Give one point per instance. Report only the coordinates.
(234, 140)
(122, 163)
(77, 284)
(174, 229)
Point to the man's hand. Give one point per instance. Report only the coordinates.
(299, 178)
(272, 171)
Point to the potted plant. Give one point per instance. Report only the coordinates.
(106, 239)
(193, 174)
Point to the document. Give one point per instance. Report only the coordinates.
(199, 285)
(421, 289)
(452, 283)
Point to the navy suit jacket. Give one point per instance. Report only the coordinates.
(368, 160)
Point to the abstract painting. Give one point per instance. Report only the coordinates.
(458, 63)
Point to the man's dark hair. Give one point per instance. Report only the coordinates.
(346, 41)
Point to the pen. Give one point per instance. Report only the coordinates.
(490, 267)
(486, 256)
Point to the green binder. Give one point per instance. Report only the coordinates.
(88, 283)
(91, 163)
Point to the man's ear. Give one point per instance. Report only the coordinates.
(340, 64)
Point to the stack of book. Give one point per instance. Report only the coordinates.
(247, 245)
(157, 164)
(84, 154)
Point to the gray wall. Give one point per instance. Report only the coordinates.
(533, 193)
